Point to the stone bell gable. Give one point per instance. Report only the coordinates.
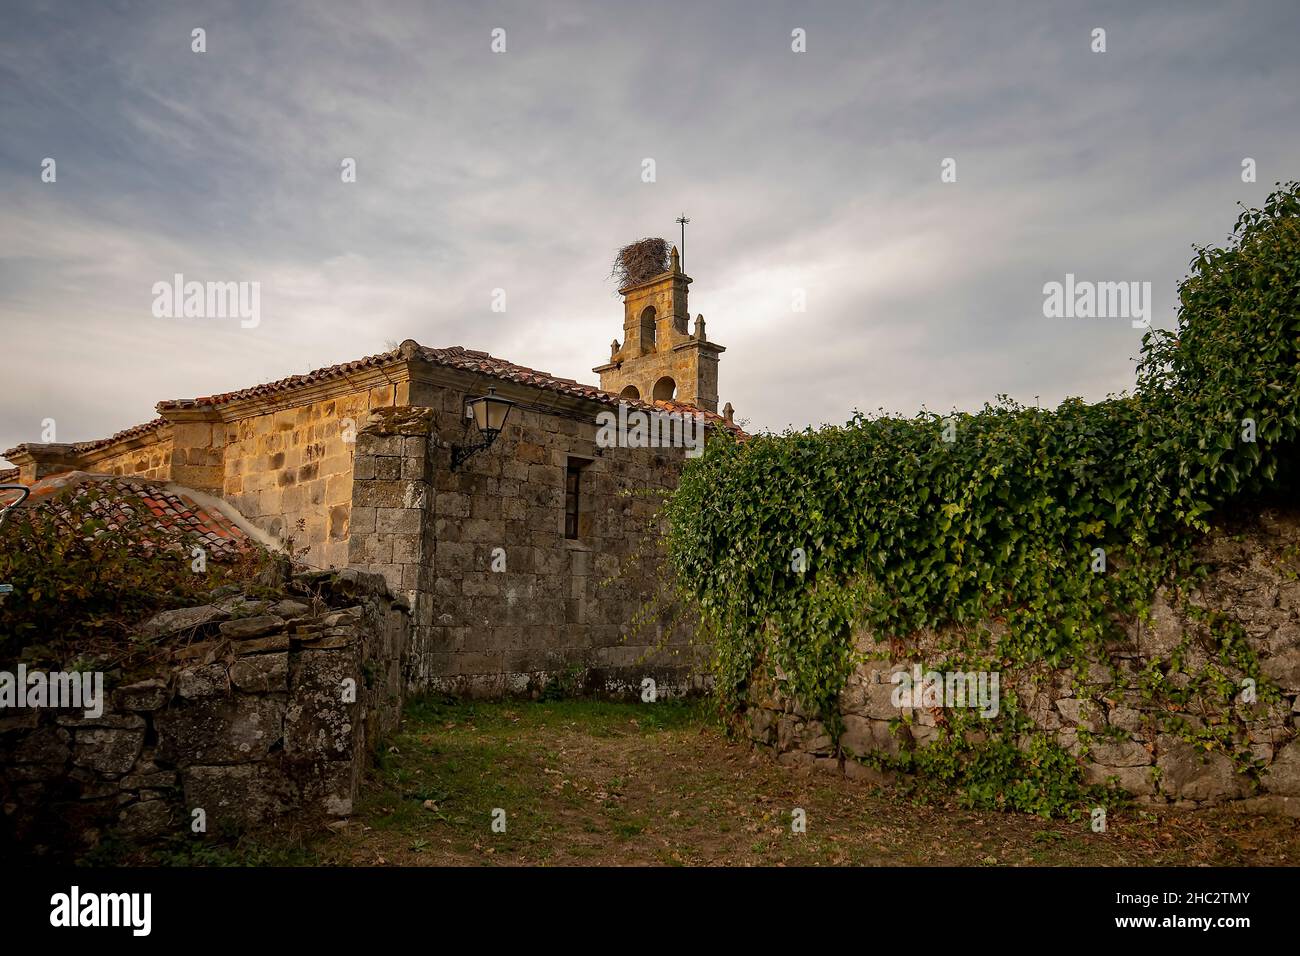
(661, 358)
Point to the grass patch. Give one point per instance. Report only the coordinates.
(598, 783)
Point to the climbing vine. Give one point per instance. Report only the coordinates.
(1058, 523)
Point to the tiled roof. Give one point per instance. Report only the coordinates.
(284, 384)
(467, 360)
(81, 448)
(132, 432)
(172, 519)
(482, 363)
(8, 475)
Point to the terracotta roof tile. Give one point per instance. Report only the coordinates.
(176, 518)
(284, 384)
(132, 432)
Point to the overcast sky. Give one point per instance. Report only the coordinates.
(817, 171)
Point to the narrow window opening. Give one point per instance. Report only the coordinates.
(572, 498)
(648, 330)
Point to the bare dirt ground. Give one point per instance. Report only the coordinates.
(589, 783)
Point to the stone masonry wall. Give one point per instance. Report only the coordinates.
(249, 719)
(581, 610)
(390, 492)
(296, 464)
(1118, 735)
(152, 460)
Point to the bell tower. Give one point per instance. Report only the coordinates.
(661, 358)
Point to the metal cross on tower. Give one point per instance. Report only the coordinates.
(683, 220)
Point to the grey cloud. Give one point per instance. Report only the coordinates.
(521, 171)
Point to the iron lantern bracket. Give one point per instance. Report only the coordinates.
(461, 453)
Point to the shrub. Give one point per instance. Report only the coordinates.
(84, 575)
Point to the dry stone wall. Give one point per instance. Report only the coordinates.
(250, 720)
(1100, 713)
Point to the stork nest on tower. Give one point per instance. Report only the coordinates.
(641, 260)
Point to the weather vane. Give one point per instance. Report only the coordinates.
(683, 220)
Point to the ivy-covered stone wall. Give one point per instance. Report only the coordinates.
(1161, 718)
(1042, 547)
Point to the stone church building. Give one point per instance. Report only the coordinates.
(531, 558)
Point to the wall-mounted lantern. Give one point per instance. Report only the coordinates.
(490, 413)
